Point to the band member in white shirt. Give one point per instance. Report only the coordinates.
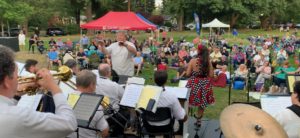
(17, 122)
(86, 83)
(107, 87)
(289, 118)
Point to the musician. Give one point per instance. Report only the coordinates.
(168, 99)
(115, 92)
(289, 118)
(86, 83)
(107, 87)
(30, 66)
(22, 122)
(72, 64)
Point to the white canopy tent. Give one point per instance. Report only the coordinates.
(215, 24)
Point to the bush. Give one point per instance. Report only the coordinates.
(71, 29)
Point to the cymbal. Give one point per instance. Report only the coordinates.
(246, 121)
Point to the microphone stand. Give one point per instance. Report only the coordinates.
(230, 79)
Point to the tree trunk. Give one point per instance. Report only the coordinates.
(88, 11)
(88, 14)
(264, 22)
(8, 29)
(180, 20)
(2, 28)
(233, 19)
(77, 16)
(25, 27)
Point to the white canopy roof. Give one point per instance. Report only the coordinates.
(215, 24)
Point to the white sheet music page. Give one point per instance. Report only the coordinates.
(136, 80)
(274, 104)
(31, 102)
(180, 92)
(182, 83)
(131, 95)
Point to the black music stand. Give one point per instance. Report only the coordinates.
(85, 109)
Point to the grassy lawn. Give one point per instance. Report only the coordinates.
(221, 94)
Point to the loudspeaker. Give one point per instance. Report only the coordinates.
(11, 42)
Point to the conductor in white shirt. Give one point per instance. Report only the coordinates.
(21, 122)
(121, 53)
(289, 118)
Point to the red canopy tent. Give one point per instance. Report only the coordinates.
(119, 21)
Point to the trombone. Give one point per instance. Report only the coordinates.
(64, 74)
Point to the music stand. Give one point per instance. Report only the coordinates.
(86, 107)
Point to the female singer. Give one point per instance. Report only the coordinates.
(200, 71)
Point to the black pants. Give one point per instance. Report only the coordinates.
(31, 47)
(279, 82)
(41, 49)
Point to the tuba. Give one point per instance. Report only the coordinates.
(64, 74)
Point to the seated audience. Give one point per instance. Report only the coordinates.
(264, 72)
(52, 42)
(183, 55)
(222, 77)
(53, 58)
(289, 118)
(181, 73)
(161, 65)
(40, 45)
(241, 73)
(280, 77)
(162, 58)
(281, 56)
(138, 62)
(193, 52)
(239, 58)
(215, 56)
(82, 58)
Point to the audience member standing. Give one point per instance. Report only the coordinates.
(21, 38)
(84, 41)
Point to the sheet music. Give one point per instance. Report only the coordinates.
(136, 80)
(181, 93)
(86, 106)
(131, 95)
(149, 92)
(72, 99)
(31, 102)
(274, 104)
(182, 83)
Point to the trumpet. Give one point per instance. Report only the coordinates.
(64, 74)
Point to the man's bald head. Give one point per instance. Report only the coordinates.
(104, 70)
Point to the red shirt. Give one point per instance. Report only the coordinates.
(162, 67)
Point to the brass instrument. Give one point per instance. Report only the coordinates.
(64, 74)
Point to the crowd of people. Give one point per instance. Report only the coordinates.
(202, 63)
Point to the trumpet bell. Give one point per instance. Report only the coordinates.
(64, 73)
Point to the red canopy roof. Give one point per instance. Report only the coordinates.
(119, 21)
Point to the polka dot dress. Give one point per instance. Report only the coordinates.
(201, 89)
